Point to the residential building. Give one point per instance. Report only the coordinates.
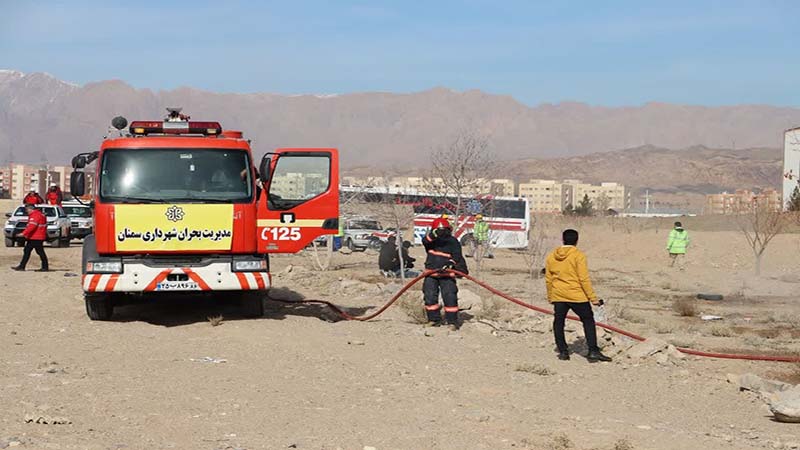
(742, 200)
(604, 196)
(5, 181)
(546, 196)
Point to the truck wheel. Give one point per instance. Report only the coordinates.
(9, 242)
(349, 244)
(99, 306)
(253, 304)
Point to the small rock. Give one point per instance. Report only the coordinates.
(345, 251)
(647, 348)
(674, 353)
(355, 342)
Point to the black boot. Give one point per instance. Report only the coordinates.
(595, 356)
(563, 355)
(18, 268)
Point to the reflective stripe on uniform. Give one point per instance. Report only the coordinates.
(433, 307)
(451, 309)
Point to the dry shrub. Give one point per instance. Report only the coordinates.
(721, 331)
(629, 315)
(685, 306)
(663, 328)
(414, 309)
(536, 369)
(623, 444)
(560, 442)
(215, 321)
(491, 308)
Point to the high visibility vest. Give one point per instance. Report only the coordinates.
(481, 231)
(678, 241)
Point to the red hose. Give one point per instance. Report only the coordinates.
(636, 337)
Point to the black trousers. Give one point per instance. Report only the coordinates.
(31, 245)
(582, 310)
(431, 288)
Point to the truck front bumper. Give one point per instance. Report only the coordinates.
(138, 277)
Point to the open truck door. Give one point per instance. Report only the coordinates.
(299, 200)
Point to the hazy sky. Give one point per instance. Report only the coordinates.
(607, 53)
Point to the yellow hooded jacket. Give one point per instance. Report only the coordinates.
(567, 276)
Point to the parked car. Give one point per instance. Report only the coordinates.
(81, 219)
(358, 233)
(58, 225)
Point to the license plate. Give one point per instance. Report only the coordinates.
(177, 286)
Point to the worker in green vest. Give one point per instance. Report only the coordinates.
(480, 231)
(676, 246)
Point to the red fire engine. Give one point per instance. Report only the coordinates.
(180, 207)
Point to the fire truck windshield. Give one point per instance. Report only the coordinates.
(169, 175)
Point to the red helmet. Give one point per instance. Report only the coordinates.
(441, 223)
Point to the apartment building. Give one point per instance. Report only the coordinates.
(604, 196)
(742, 200)
(5, 182)
(546, 196)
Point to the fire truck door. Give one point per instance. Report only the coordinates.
(299, 200)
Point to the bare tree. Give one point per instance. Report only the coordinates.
(460, 170)
(759, 224)
(602, 203)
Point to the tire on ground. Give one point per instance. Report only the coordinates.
(252, 304)
(99, 306)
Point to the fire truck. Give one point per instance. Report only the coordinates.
(181, 208)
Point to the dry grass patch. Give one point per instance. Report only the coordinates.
(628, 315)
(414, 309)
(722, 331)
(685, 306)
(536, 369)
(662, 328)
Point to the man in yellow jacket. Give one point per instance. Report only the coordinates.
(569, 287)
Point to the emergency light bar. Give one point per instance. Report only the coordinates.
(140, 128)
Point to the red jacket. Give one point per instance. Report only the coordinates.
(54, 197)
(33, 199)
(37, 227)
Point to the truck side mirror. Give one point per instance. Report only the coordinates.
(8, 214)
(78, 162)
(265, 169)
(77, 184)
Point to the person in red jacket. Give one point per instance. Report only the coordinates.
(33, 198)
(54, 195)
(35, 234)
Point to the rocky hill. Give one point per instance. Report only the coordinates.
(42, 117)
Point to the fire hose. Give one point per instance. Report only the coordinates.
(339, 311)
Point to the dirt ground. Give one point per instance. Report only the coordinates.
(161, 376)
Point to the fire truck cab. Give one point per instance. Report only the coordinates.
(180, 207)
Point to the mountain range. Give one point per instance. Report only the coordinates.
(43, 118)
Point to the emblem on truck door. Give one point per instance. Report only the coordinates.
(174, 213)
(287, 217)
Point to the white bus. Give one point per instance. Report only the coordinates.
(508, 217)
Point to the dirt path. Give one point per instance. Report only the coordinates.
(295, 379)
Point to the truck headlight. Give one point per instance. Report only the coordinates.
(251, 265)
(104, 267)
